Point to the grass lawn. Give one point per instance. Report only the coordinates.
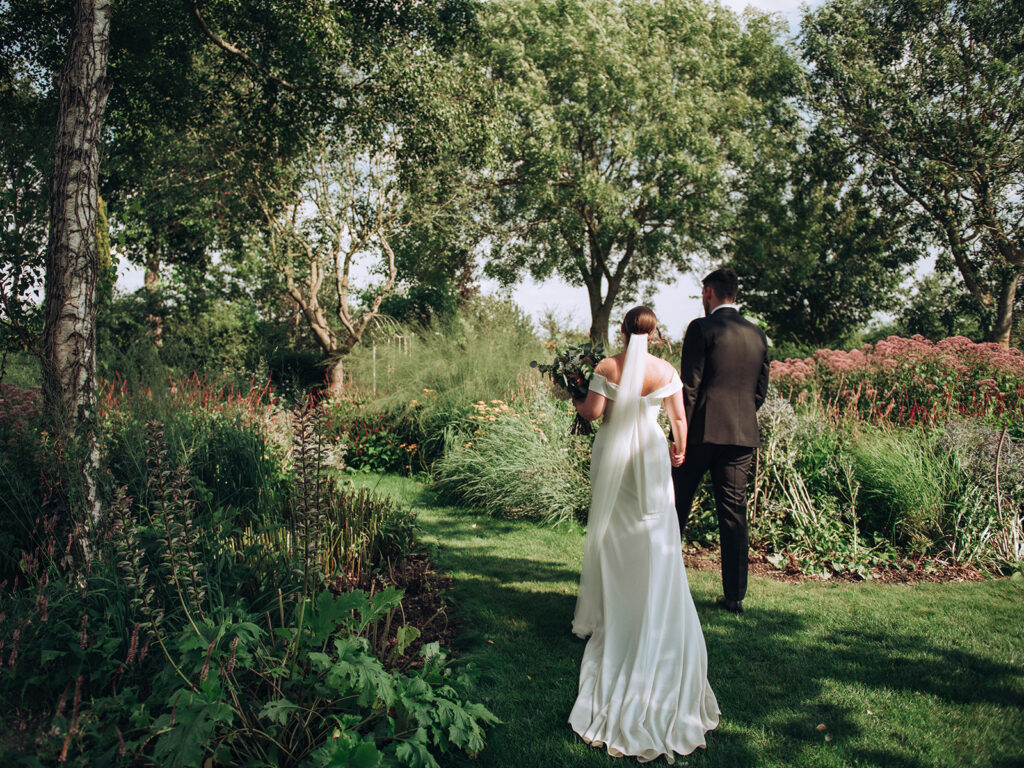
(900, 676)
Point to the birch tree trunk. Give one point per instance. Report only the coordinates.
(69, 338)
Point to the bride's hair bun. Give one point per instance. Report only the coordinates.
(642, 320)
(639, 320)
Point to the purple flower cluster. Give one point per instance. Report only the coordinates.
(912, 380)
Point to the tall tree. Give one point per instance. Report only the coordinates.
(345, 211)
(404, 170)
(289, 64)
(69, 337)
(938, 308)
(929, 95)
(208, 95)
(817, 255)
(631, 122)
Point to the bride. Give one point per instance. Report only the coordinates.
(643, 687)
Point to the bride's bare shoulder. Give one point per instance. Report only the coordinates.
(610, 367)
(659, 374)
(664, 367)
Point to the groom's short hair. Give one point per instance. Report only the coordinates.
(724, 282)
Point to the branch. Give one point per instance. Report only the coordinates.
(235, 51)
(384, 290)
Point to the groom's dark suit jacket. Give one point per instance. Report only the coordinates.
(725, 379)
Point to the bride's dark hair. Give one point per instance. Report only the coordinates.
(641, 320)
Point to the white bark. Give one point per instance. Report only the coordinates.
(69, 341)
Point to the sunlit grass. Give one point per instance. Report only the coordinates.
(906, 676)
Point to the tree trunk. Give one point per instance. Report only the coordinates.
(151, 276)
(599, 320)
(601, 309)
(1003, 324)
(336, 378)
(69, 337)
(151, 280)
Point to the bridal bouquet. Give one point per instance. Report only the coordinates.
(570, 374)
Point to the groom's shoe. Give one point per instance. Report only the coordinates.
(736, 606)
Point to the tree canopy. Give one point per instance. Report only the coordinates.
(929, 95)
(630, 123)
(817, 253)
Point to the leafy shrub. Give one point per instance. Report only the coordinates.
(936, 490)
(377, 442)
(19, 368)
(519, 460)
(203, 331)
(423, 380)
(989, 476)
(229, 440)
(850, 497)
(804, 494)
(152, 653)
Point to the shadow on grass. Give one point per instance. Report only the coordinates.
(770, 676)
(449, 531)
(775, 672)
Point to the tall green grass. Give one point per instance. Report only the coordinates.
(935, 489)
(518, 460)
(906, 483)
(431, 376)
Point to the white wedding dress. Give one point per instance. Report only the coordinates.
(643, 687)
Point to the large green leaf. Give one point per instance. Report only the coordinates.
(194, 723)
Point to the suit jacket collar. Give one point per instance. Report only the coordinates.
(728, 309)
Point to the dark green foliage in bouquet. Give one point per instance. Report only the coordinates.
(572, 368)
(570, 373)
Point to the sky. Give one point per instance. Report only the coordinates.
(677, 301)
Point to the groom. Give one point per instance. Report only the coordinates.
(725, 378)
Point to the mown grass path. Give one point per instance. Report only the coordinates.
(900, 676)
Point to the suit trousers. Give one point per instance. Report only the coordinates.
(730, 471)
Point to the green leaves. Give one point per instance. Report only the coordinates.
(352, 612)
(572, 367)
(818, 254)
(345, 751)
(330, 610)
(926, 94)
(406, 635)
(192, 723)
(354, 672)
(278, 711)
(413, 752)
(631, 123)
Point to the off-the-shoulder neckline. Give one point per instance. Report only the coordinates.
(670, 382)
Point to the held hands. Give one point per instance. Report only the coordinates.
(676, 455)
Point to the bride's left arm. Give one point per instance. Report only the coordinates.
(590, 407)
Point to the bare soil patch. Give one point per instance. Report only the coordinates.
(423, 607)
(908, 571)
